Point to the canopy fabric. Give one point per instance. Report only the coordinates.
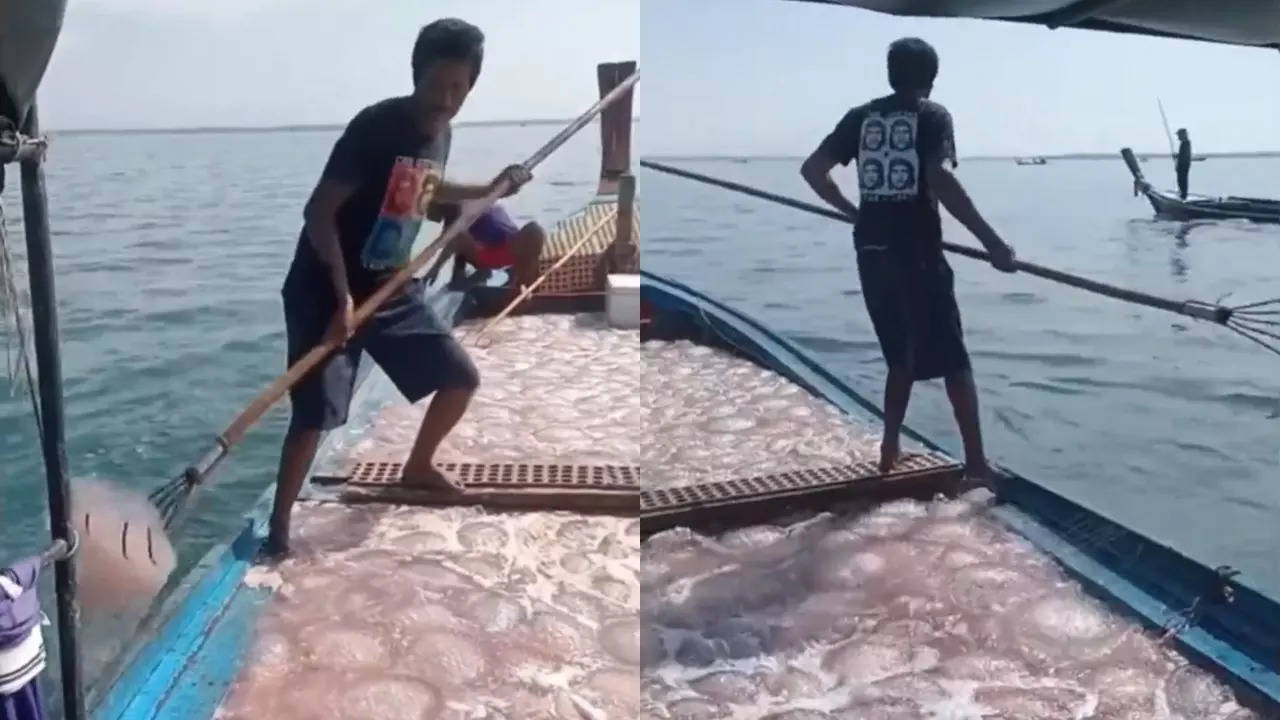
(1233, 22)
(28, 32)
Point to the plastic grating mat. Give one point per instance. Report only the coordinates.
(578, 274)
(725, 503)
(510, 476)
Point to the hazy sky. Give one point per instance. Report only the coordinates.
(770, 77)
(167, 63)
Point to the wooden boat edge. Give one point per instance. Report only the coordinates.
(1241, 646)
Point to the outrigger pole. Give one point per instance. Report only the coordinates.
(50, 420)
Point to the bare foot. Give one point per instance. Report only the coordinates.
(274, 549)
(982, 473)
(431, 479)
(888, 455)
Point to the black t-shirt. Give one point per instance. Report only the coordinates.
(1184, 154)
(894, 139)
(396, 170)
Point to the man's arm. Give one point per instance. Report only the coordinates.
(515, 176)
(461, 242)
(839, 146)
(816, 171)
(452, 192)
(321, 222)
(946, 186)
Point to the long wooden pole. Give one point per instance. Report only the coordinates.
(251, 414)
(1168, 135)
(1190, 308)
(44, 316)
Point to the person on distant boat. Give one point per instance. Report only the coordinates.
(495, 242)
(1183, 165)
(906, 282)
(396, 143)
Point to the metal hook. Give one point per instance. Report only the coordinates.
(61, 550)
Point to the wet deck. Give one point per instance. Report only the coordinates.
(901, 610)
(405, 612)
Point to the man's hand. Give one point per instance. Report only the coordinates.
(514, 177)
(1003, 257)
(343, 323)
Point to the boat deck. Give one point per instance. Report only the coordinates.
(714, 417)
(904, 609)
(396, 611)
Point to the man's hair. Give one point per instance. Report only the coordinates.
(448, 39)
(913, 65)
(1182, 131)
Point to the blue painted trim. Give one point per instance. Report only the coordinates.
(214, 665)
(1238, 642)
(143, 688)
(1197, 643)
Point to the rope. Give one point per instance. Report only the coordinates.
(11, 300)
(1251, 321)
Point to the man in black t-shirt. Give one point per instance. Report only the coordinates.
(902, 142)
(383, 175)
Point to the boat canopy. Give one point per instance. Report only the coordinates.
(1233, 22)
(28, 32)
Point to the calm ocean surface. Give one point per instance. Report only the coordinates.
(1168, 425)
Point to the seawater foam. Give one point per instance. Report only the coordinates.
(906, 610)
(412, 613)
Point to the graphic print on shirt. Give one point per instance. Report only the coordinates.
(888, 162)
(410, 189)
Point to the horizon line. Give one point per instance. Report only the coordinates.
(295, 127)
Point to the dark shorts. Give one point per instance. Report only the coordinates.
(913, 309)
(404, 338)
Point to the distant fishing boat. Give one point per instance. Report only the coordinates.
(1031, 161)
(1167, 204)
